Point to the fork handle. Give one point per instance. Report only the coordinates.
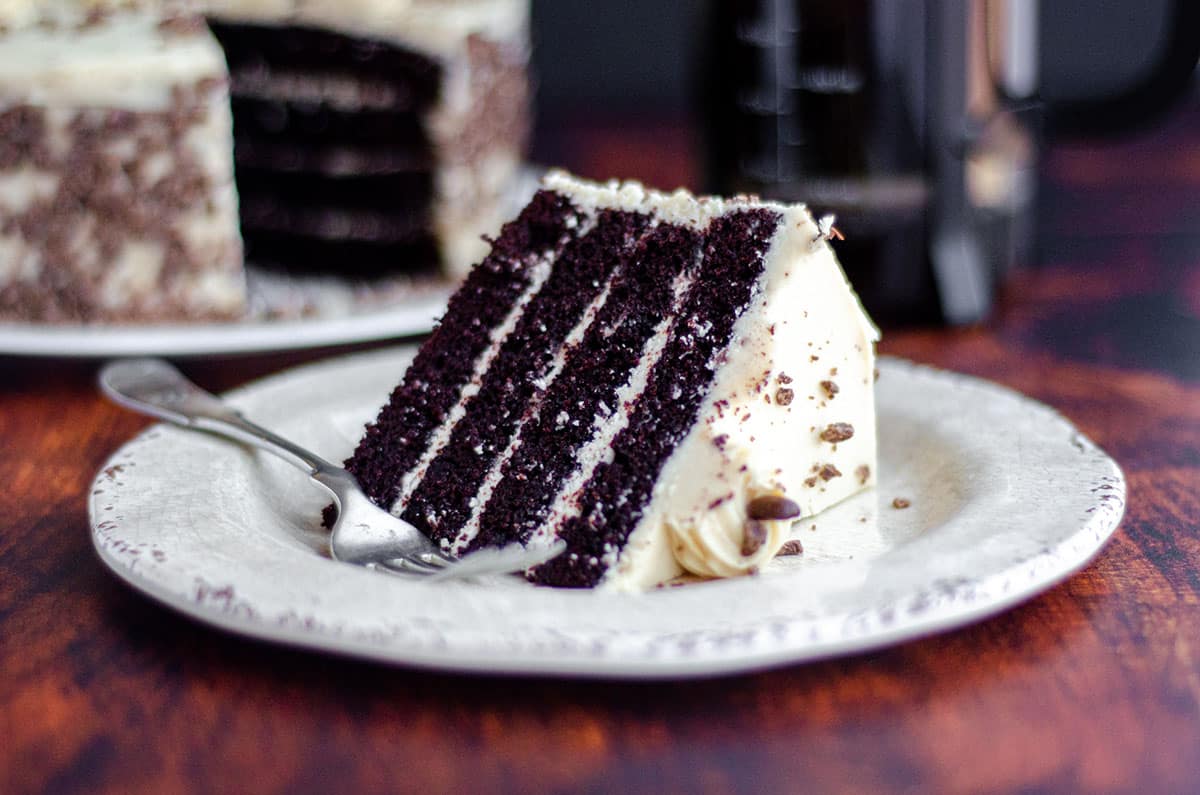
(156, 388)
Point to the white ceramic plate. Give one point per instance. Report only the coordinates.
(341, 324)
(1007, 499)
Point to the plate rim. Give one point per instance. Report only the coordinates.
(955, 605)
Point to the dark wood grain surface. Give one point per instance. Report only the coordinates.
(1093, 686)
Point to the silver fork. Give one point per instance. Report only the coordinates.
(363, 533)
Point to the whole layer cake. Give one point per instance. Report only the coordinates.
(371, 139)
(665, 382)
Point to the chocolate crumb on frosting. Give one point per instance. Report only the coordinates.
(182, 25)
(830, 388)
(772, 506)
(719, 501)
(829, 472)
(863, 473)
(837, 432)
(790, 547)
(900, 502)
(753, 537)
(784, 396)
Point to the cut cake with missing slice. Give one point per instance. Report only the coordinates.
(665, 382)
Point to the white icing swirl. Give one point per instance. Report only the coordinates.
(713, 544)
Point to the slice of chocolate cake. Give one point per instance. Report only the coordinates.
(665, 382)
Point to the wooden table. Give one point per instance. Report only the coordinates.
(1093, 686)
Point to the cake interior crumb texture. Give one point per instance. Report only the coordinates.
(629, 371)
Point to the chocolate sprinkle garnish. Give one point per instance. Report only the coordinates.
(900, 502)
(772, 506)
(863, 473)
(784, 396)
(754, 536)
(830, 388)
(790, 547)
(829, 472)
(784, 378)
(94, 18)
(719, 501)
(837, 432)
(810, 482)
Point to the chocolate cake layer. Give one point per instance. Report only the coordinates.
(333, 161)
(320, 87)
(262, 215)
(398, 193)
(315, 125)
(585, 397)
(613, 500)
(442, 502)
(359, 260)
(432, 385)
(255, 49)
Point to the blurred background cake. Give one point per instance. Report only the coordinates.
(366, 140)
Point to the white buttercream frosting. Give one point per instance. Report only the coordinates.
(714, 543)
(126, 61)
